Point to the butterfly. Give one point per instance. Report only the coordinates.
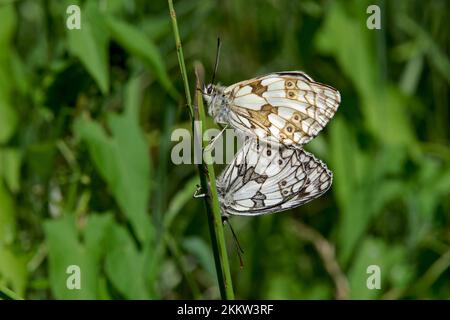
(262, 179)
(287, 108)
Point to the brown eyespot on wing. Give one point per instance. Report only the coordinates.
(289, 107)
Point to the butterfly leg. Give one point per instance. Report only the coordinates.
(198, 194)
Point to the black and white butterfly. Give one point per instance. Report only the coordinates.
(262, 179)
(288, 108)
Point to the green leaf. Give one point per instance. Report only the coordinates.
(438, 58)
(411, 74)
(385, 115)
(125, 265)
(357, 179)
(13, 269)
(179, 200)
(422, 202)
(90, 45)
(65, 249)
(375, 252)
(133, 98)
(7, 294)
(382, 105)
(199, 249)
(8, 116)
(7, 216)
(157, 27)
(344, 159)
(354, 54)
(139, 45)
(122, 159)
(10, 161)
(8, 23)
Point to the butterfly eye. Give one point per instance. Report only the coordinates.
(209, 89)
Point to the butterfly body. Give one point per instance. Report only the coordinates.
(218, 103)
(287, 108)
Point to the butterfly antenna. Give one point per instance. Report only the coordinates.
(239, 250)
(213, 141)
(216, 64)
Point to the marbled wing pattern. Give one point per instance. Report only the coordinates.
(262, 179)
(287, 108)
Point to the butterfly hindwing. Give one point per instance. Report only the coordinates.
(264, 179)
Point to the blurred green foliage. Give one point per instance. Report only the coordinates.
(85, 172)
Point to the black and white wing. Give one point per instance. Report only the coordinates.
(264, 179)
(287, 107)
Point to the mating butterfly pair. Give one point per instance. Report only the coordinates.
(280, 112)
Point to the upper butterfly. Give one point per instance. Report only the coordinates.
(284, 107)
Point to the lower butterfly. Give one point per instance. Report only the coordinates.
(287, 108)
(262, 179)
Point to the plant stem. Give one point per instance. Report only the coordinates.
(180, 55)
(208, 180)
(7, 294)
(207, 175)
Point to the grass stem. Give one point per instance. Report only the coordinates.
(7, 294)
(173, 17)
(206, 173)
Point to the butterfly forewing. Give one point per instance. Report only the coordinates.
(285, 107)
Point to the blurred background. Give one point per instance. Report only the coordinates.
(86, 177)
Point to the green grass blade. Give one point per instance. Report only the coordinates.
(207, 179)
